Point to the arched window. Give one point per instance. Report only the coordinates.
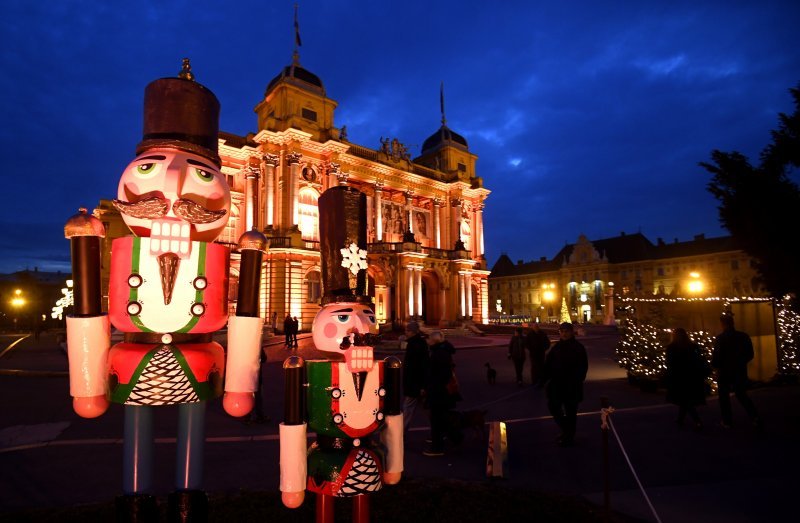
(309, 213)
(313, 287)
(231, 232)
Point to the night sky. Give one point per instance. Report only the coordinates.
(587, 117)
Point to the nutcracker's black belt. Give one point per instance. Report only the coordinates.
(329, 442)
(156, 338)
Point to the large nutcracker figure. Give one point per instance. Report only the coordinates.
(168, 294)
(349, 398)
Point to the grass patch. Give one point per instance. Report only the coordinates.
(415, 500)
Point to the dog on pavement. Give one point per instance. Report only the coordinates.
(491, 374)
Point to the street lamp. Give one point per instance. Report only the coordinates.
(548, 296)
(17, 302)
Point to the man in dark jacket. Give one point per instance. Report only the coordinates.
(415, 371)
(288, 326)
(537, 343)
(565, 371)
(439, 399)
(732, 350)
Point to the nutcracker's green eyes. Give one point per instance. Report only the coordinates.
(145, 168)
(342, 317)
(204, 175)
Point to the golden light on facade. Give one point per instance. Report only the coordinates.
(695, 284)
(548, 293)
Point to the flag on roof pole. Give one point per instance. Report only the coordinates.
(297, 40)
(441, 101)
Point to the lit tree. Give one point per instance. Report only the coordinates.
(564, 311)
(758, 204)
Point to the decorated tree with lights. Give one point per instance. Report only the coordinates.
(564, 316)
(755, 200)
(641, 351)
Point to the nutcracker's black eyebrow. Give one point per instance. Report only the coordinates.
(343, 310)
(157, 157)
(201, 164)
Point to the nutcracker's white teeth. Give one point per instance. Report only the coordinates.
(359, 359)
(170, 235)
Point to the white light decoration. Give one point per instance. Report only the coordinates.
(66, 300)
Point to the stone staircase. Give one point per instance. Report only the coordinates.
(466, 329)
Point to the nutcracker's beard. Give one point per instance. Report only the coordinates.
(154, 207)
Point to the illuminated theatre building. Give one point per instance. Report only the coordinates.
(425, 224)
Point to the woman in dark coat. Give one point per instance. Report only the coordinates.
(516, 353)
(685, 377)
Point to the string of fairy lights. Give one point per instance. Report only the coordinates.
(642, 347)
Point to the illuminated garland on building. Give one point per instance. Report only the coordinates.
(642, 347)
(788, 339)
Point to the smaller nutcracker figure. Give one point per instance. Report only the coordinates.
(351, 401)
(168, 294)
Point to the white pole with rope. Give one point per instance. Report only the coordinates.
(605, 425)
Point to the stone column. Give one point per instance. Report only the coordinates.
(341, 176)
(410, 291)
(468, 290)
(442, 305)
(462, 302)
(484, 301)
(455, 221)
(435, 210)
(409, 218)
(418, 289)
(292, 187)
(251, 175)
(479, 226)
(270, 161)
(378, 216)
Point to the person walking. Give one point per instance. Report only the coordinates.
(415, 372)
(439, 399)
(516, 353)
(288, 324)
(537, 343)
(295, 330)
(687, 370)
(732, 350)
(565, 370)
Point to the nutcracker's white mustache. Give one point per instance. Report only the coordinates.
(154, 207)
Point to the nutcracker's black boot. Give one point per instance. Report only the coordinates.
(136, 508)
(188, 506)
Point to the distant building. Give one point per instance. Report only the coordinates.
(27, 298)
(586, 276)
(425, 215)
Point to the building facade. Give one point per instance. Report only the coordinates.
(425, 215)
(587, 276)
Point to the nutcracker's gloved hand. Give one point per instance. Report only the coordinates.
(238, 404)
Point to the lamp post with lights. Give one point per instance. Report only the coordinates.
(17, 302)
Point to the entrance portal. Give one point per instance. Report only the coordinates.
(431, 310)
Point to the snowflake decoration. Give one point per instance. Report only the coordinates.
(354, 258)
